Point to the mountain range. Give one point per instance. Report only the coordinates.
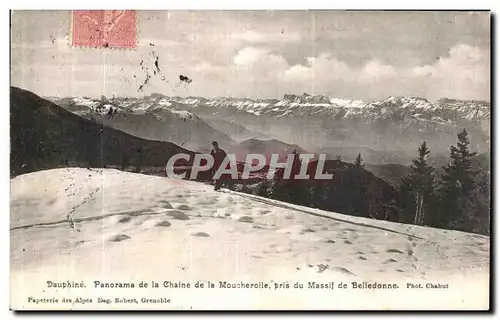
(45, 136)
(147, 118)
(393, 127)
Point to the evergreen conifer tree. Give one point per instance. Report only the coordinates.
(457, 187)
(417, 192)
(358, 163)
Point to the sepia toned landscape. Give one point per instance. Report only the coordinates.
(397, 102)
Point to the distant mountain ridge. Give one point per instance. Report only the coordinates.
(445, 108)
(149, 118)
(394, 125)
(266, 148)
(234, 130)
(45, 136)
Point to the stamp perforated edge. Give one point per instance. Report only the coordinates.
(81, 47)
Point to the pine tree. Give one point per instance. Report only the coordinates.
(358, 163)
(263, 189)
(406, 201)
(279, 189)
(315, 196)
(480, 208)
(300, 192)
(357, 192)
(288, 189)
(457, 187)
(417, 192)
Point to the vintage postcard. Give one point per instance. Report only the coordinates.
(250, 160)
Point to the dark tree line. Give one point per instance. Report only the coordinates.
(457, 199)
(346, 192)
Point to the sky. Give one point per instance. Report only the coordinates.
(262, 54)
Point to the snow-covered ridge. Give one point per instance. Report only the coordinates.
(441, 111)
(147, 105)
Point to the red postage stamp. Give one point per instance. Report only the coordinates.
(104, 28)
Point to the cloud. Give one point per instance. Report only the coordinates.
(375, 70)
(298, 72)
(259, 63)
(321, 69)
(248, 56)
(265, 53)
(463, 61)
(253, 70)
(465, 72)
(259, 72)
(327, 68)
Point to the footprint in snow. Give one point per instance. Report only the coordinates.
(125, 219)
(164, 223)
(394, 251)
(343, 270)
(410, 252)
(201, 234)
(119, 237)
(306, 230)
(178, 215)
(136, 213)
(165, 204)
(245, 219)
(184, 207)
(391, 260)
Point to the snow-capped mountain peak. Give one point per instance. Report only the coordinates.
(293, 105)
(393, 122)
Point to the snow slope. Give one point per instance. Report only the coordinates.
(132, 227)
